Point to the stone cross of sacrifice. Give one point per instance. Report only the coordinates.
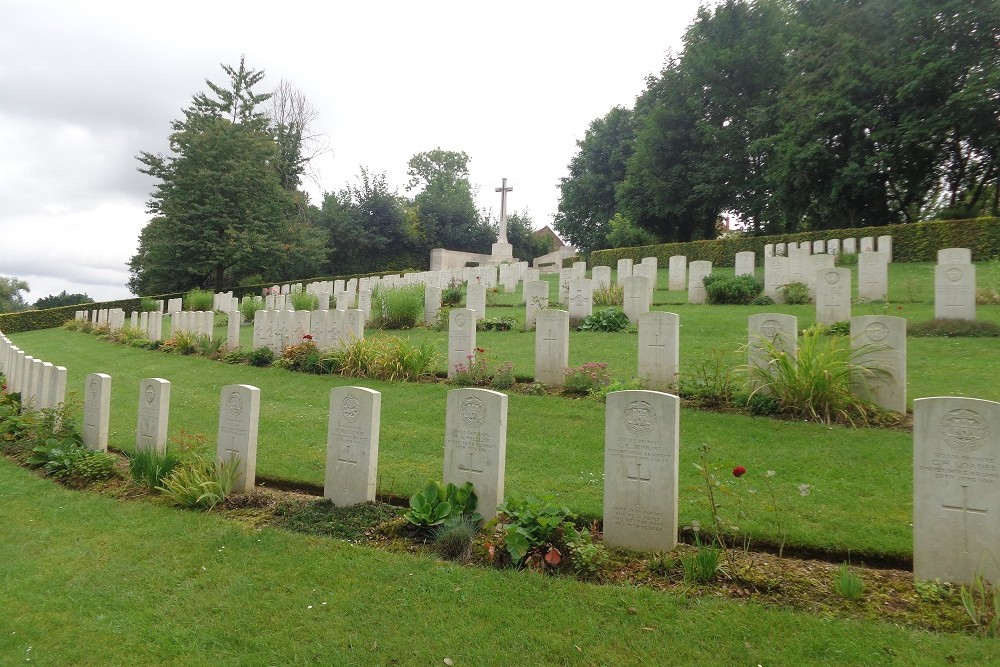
(503, 190)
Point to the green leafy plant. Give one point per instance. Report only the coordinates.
(481, 372)
(586, 379)
(534, 529)
(302, 357)
(397, 307)
(795, 293)
(609, 319)
(735, 290)
(199, 299)
(438, 502)
(587, 557)
(147, 305)
(249, 308)
(981, 602)
(71, 462)
(261, 356)
(762, 300)
(712, 379)
(148, 467)
(847, 583)
(200, 482)
(932, 591)
(948, 328)
(819, 381)
(506, 323)
(209, 347)
(601, 393)
(453, 294)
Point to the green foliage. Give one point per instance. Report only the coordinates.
(10, 294)
(847, 583)
(625, 234)
(586, 379)
(387, 358)
(303, 357)
(506, 323)
(30, 320)
(453, 294)
(249, 307)
(438, 503)
(981, 602)
(148, 467)
(587, 557)
(734, 290)
(481, 372)
(820, 380)
(712, 379)
(949, 328)
(612, 295)
(762, 300)
(397, 307)
(72, 463)
(261, 356)
(608, 319)
(199, 300)
(147, 305)
(446, 213)
(535, 525)
(62, 299)
(200, 482)
(701, 566)
(795, 293)
(304, 301)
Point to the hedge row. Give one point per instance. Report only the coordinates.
(915, 242)
(30, 320)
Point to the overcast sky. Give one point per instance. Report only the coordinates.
(85, 86)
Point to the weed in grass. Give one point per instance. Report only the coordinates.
(932, 591)
(981, 602)
(847, 583)
(820, 380)
(661, 563)
(713, 378)
(587, 557)
(322, 517)
(148, 467)
(199, 299)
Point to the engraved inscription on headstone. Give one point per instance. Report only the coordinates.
(352, 445)
(475, 448)
(239, 411)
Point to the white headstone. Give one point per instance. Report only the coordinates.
(536, 299)
(659, 350)
(475, 444)
(955, 291)
(641, 440)
(551, 347)
(880, 343)
(867, 244)
(677, 273)
(956, 489)
(636, 298)
(778, 329)
(581, 299)
(698, 271)
(833, 247)
(352, 445)
(833, 295)
(154, 411)
(475, 299)
(775, 276)
(768, 249)
(461, 339)
(601, 276)
(850, 246)
(873, 276)
(96, 411)
(745, 263)
(239, 412)
(233, 330)
(781, 249)
(624, 271)
(884, 246)
(432, 304)
(819, 247)
(954, 256)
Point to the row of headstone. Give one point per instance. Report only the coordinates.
(847, 246)
(878, 341)
(201, 323)
(113, 318)
(277, 329)
(41, 384)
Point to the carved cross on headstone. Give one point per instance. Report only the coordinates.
(503, 190)
(966, 511)
(550, 339)
(346, 456)
(636, 482)
(472, 466)
(659, 349)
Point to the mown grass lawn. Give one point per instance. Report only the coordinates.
(88, 580)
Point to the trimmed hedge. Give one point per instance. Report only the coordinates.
(30, 320)
(915, 242)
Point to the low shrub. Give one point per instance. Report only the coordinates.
(762, 300)
(949, 328)
(506, 323)
(732, 290)
(249, 307)
(795, 293)
(260, 356)
(147, 305)
(199, 299)
(397, 307)
(304, 301)
(587, 379)
(453, 294)
(608, 320)
(72, 463)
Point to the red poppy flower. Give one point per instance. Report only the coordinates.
(307, 337)
(899, 308)
(739, 471)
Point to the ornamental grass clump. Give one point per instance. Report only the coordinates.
(820, 381)
(734, 290)
(397, 307)
(612, 295)
(304, 301)
(199, 300)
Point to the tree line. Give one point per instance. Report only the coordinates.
(794, 115)
(228, 206)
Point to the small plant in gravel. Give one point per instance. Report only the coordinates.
(586, 379)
